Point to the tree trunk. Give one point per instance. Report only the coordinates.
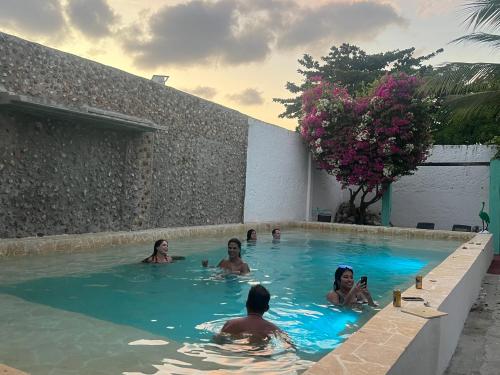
(361, 216)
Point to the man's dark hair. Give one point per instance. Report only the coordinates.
(258, 299)
(236, 241)
(274, 230)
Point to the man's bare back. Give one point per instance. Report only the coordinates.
(253, 324)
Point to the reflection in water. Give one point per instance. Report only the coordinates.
(240, 356)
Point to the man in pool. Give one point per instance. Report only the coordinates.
(253, 324)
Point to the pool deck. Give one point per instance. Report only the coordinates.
(479, 345)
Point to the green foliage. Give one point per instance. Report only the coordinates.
(485, 38)
(478, 129)
(495, 141)
(470, 91)
(482, 13)
(351, 67)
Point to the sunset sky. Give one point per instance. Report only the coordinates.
(239, 53)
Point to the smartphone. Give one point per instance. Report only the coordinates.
(364, 280)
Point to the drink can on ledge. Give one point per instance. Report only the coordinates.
(396, 298)
(418, 282)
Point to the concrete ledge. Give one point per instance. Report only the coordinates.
(393, 342)
(388, 231)
(93, 241)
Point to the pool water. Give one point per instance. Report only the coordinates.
(79, 313)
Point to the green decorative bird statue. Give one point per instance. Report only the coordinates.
(484, 218)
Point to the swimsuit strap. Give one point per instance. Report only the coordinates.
(341, 297)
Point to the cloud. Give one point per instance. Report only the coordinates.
(41, 17)
(93, 18)
(232, 32)
(340, 22)
(433, 8)
(203, 91)
(248, 97)
(197, 32)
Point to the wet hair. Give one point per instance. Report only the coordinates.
(258, 299)
(237, 242)
(338, 275)
(155, 250)
(249, 234)
(274, 230)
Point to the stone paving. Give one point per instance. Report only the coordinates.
(478, 350)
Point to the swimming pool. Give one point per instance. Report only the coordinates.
(78, 313)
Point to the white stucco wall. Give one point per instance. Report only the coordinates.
(444, 195)
(277, 174)
(277, 183)
(326, 193)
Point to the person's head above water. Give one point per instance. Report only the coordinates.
(258, 300)
(160, 253)
(251, 235)
(343, 277)
(234, 248)
(276, 233)
(160, 246)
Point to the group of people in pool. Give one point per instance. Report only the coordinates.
(252, 235)
(345, 291)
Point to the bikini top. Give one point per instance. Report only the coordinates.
(342, 298)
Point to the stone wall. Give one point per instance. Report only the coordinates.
(190, 172)
(50, 185)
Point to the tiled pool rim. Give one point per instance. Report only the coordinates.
(92, 241)
(391, 342)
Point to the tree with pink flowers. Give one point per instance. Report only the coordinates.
(367, 142)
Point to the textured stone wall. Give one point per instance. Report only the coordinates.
(191, 172)
(51, 185)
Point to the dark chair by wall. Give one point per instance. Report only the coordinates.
(425, 225)
(325, 218)
(461, 228)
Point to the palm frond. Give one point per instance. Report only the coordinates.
(465, 107)
(462, 78)
(492, 39)
(482, 13)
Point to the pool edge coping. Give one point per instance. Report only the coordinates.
(93, 241)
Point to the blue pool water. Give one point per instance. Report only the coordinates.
(186, 304)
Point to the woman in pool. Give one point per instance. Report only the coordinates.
(233, 264)
(160, 253)
(252, 235)
(345, 292)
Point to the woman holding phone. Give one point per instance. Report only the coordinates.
(345, 292)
